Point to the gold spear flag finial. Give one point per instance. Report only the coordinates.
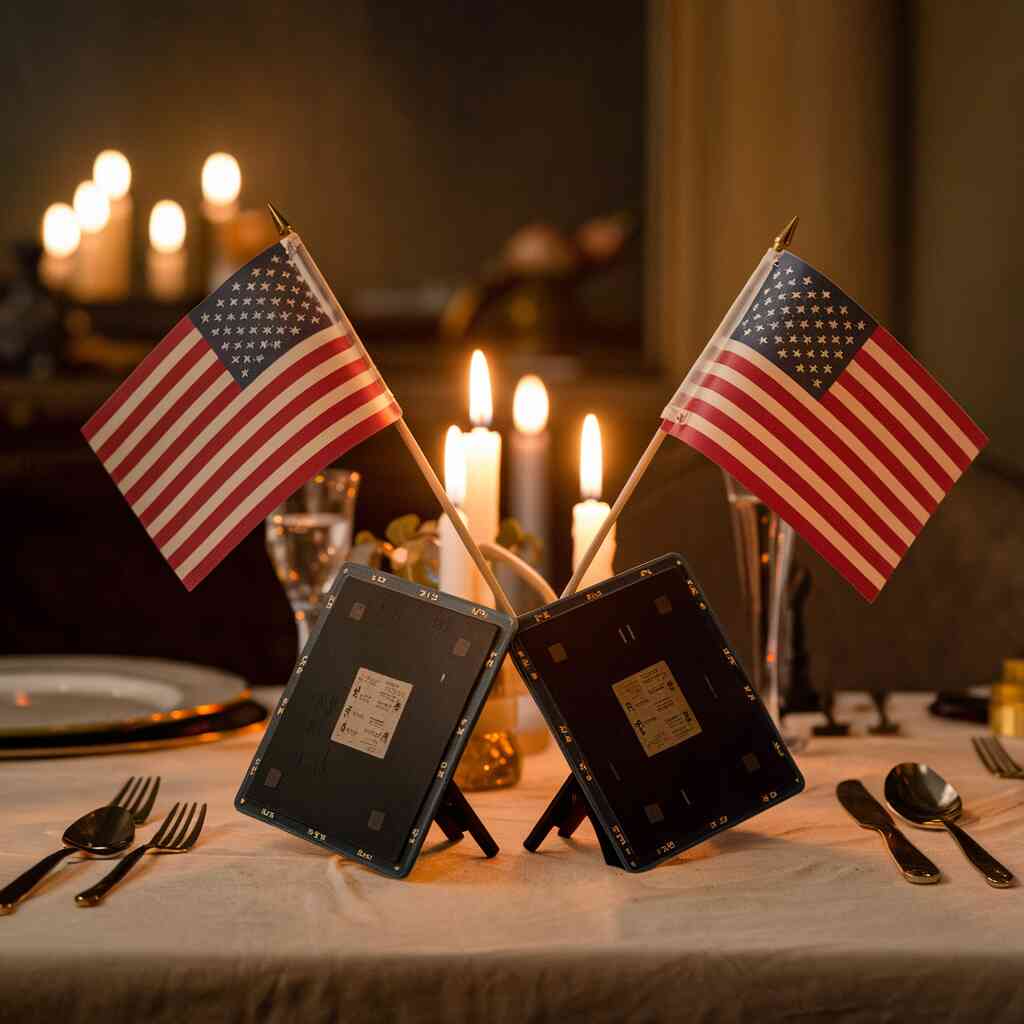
(281, 221)
(782, 240)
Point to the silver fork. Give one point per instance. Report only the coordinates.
(137, 797)
(173, 836)
(995, 758)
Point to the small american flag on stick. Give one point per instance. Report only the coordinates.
(260, 386)
(820, 412)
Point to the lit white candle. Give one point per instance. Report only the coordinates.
(529, 449)
(93, 266)
(458, 574)
(483, 456)
(167, 258)
(221, 181)
(591, 512)
(61, 238)
(113, 174)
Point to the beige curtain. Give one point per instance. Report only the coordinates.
(759, 110)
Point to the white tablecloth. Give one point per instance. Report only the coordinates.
(796, 915)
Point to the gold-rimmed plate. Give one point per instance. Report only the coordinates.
(50, 696)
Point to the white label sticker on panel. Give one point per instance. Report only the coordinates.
(370, 716)
(656, 708)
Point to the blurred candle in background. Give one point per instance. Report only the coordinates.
(590, 513)
(94, 265)
(61, 238)
(112, 173)
(529, 452)
(483, 459)
(167, 257)
(458, 574)
(221, 181)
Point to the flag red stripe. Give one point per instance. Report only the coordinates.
(773, 500)
(169, 420)
(869, 439)
(245, 413)
(181, 365)
(832, 440)
(913, 410)
(928, 384)
(227, 394)
(289, 415)
(326, 455)
(892, 423)
(152, 359)
(778, 429)
(796, 481)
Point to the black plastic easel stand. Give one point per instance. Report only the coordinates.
(455, 818)
(566, 813)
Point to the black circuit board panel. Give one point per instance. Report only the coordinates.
(653, 711)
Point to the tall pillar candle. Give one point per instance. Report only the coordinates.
(113, 174)
(591, 512)
(167, 257)
(93, 267)
(221, 182)
(61, 239)
(482, 448)
(529, 454)
(458, 574)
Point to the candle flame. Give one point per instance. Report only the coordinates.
(481, 405)
(455, 465)
(92, 207)
(530, 405)
(112, 172)
(591, 459)
(167, 226)
(61, 233)
(221, 178)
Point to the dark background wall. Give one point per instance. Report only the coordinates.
(966, 224)
(407, 140)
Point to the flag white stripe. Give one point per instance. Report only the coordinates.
(127, 446)
(910, 464)
(866, 493)
(937, 413)
(279, 440)
(225, 416)
(853, 519)
(142, 389)
(907, 419)
(168, 438)
(739, 452)
(326, 437)
(912, 505)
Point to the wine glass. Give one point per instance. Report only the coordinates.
(764, 551)
(309, 536)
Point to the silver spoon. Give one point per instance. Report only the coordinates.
(922, 796)
(104, 831)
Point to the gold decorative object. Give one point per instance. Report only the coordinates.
(1006, 705)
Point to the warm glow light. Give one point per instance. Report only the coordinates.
(481, 406)
(112, 172)
(222, 179)
(167, 226)
(92, 207)
(530, 405)
(591, 459)
(61, 233)
(455, 465)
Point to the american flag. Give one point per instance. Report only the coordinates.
(259, 387)
(821, 413)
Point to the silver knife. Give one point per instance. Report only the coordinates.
(869, 813)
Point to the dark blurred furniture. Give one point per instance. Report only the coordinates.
(949, 614)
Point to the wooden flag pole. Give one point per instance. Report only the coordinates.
(318, 284)
(781, 242)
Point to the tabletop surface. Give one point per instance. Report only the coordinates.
(797, 913)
